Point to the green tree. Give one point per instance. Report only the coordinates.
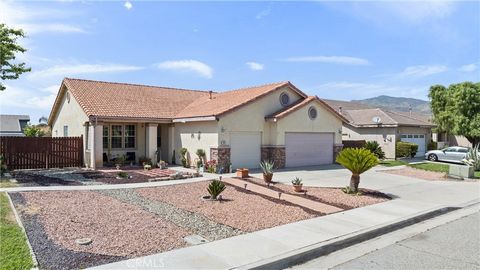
(456, 109)
(357, 161)
(8, 49)
(33, 131)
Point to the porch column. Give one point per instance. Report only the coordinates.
(151, 141)
(96, 149)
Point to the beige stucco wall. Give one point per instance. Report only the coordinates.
(385, 137)
(251, 118)
(193, 136)
(69, 114)
(299, 121)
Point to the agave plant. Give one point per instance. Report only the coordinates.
(215, 188)
(473, 157)
(267, 167)
(357, 161)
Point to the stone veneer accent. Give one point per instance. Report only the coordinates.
(222, 156)
(336, 149)
(274, 153)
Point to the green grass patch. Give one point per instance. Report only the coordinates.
(14, 251)
(434, 167)
(392, 163)
(5, 183)
(477, 174)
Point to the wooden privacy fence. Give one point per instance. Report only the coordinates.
(41, 152)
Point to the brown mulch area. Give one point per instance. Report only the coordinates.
(28, 179)
(116, 228)
(111, 177)
(332, 196)
(417, 173)
(240, 209)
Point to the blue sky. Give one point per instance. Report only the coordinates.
(338, 50)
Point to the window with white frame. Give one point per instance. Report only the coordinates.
(65, 131)
(119, 136)
(129, 136)
(116, 136)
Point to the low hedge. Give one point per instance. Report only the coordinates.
(432, 145)
(405, 149)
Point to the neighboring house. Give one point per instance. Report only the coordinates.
(240, 127)
(383, 126)
(13, 125)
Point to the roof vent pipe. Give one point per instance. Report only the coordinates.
(210, 94)
(340, 109)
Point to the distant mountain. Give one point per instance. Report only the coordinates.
(397, 104)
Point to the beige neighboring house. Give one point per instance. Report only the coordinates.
(383, 126)
(239, 128)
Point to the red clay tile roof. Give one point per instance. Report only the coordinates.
(224, 102)
(132, 101)
(301, 103)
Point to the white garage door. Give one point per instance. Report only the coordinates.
(245, 150)
(306, 149)
(418, 139)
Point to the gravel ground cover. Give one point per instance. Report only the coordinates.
(77, 176)
(417, 173)
(332, 196)
(191, 221)
(240, 208)
(54, 220)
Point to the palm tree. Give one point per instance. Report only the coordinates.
(358, 161)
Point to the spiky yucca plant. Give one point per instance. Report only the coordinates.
(358, 161)
(215, 188)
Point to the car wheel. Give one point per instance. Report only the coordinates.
(432, 157)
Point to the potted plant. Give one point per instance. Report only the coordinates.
(297, 184)
(267, 168)
(242, 172)
(119, 161)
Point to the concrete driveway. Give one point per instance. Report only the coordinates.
(445, 192)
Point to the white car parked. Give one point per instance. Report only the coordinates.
(451, 154)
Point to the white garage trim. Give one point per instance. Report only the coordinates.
(418, 139)
(308, 148)
(245, 149)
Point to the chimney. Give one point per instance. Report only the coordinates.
(210, 94)
(340, 110)
(410, 109)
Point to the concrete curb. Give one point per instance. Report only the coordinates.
(19, 222)
(308, 253)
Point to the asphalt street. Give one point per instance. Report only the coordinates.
(455, 245)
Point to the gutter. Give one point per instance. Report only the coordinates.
(195, 119)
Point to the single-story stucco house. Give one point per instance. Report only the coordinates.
(13, 125)
(383, 126)
(239, 127)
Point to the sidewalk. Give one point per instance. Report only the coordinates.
(247, 250)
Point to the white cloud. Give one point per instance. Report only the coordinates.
(198, 67)
(65, 70)
(36, 20)
(263, 13)
(14, 97)
(468, 68)
(255, 65)
(422, 70)
(128, 5)
(342, 60)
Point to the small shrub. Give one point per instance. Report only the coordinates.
(211, 166)
(215, 188)
(405, 149)
(348, 190)
(432, 145)
(375, 148)
(183, 153)
(3, 166)
(145, 160)
(297, 181)
(122, 174)
(120, 160)
(267, 167)
(473, 158)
